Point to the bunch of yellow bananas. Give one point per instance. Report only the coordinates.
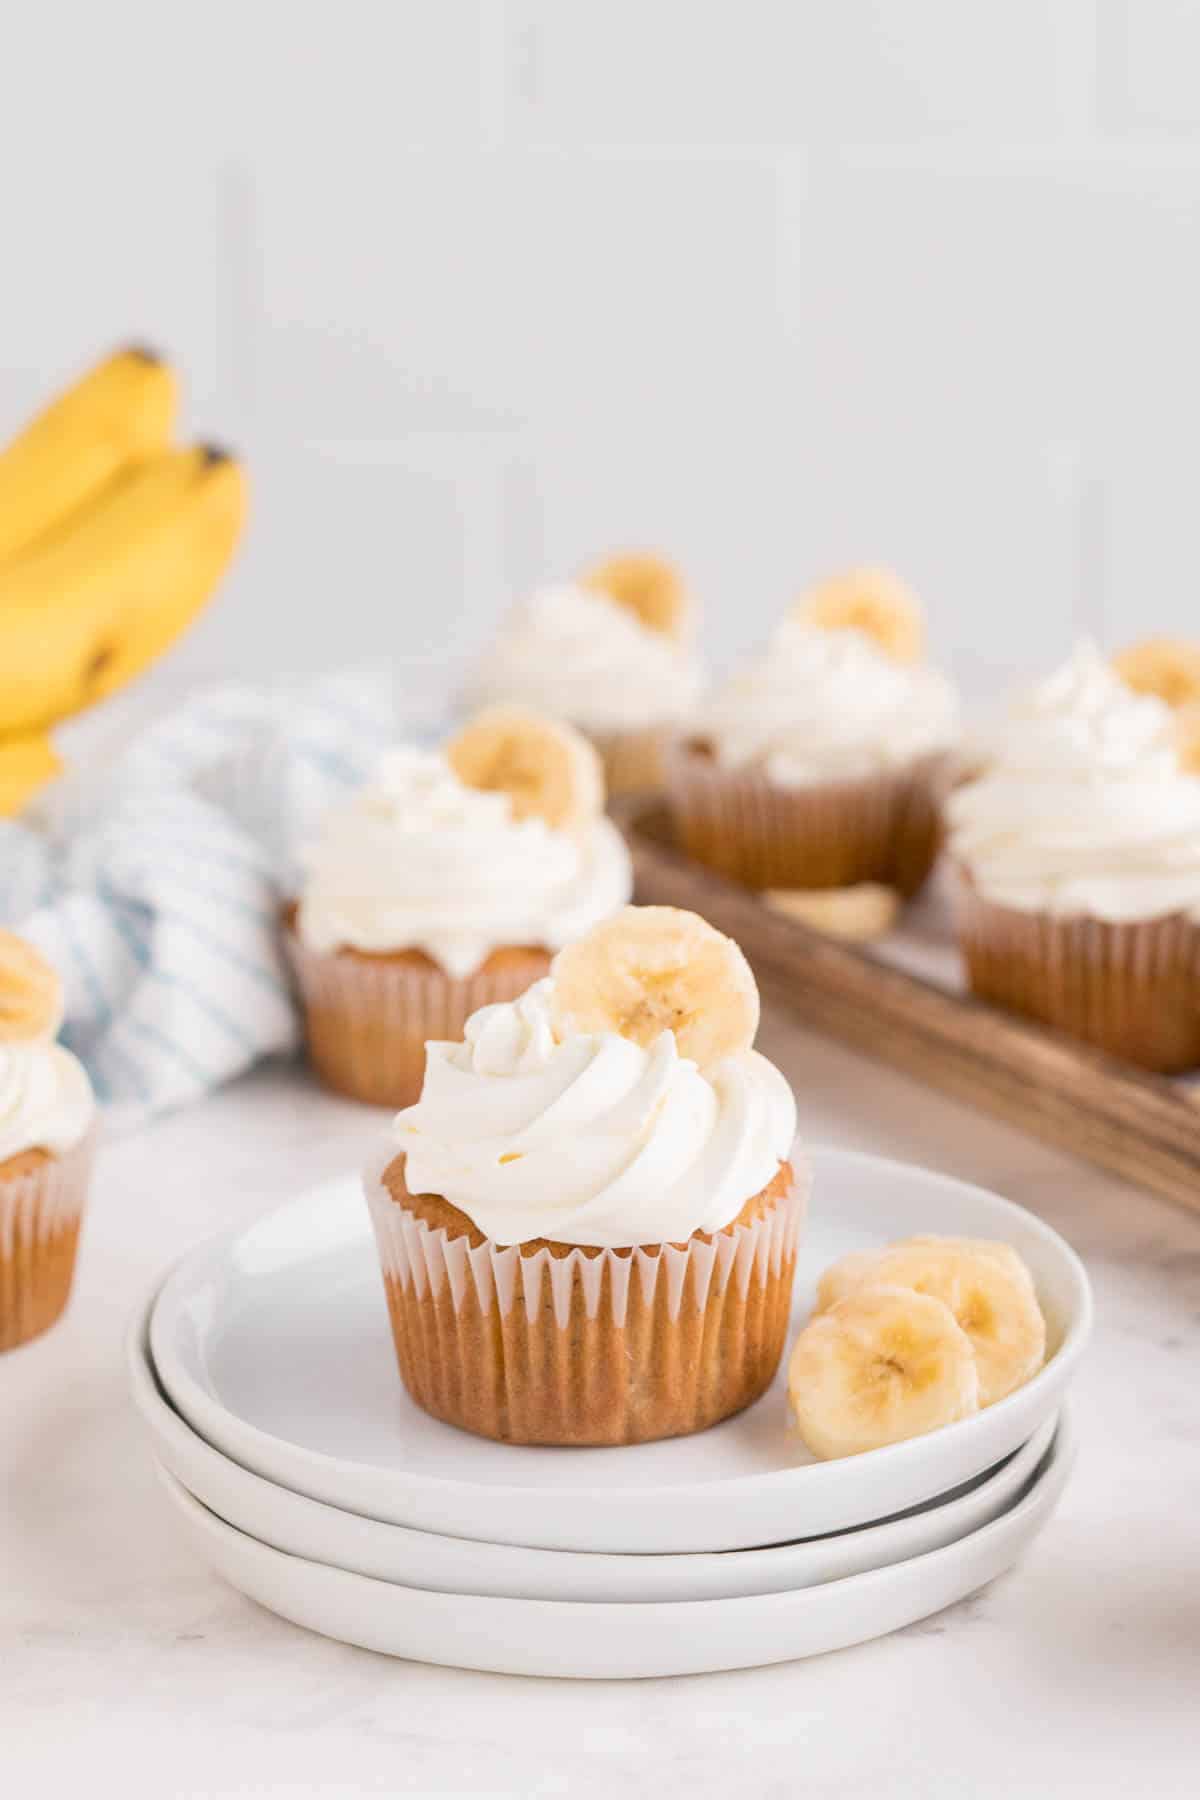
(111, 540)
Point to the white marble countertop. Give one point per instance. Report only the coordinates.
(128, 1668)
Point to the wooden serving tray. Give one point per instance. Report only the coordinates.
(1144, 1127)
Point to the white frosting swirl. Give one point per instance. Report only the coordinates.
(588, 659)
(820, 705)
(1083, 806)
(417, 861)
(46, 1099)
(591, 1139)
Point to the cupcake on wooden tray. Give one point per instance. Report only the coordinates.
(1078, 856)
(823, 762)
(611, 652)
(46, 1114)
(444, 886)
(588, 1223)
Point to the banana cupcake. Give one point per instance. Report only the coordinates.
(588, 1221)
(46, 1114)
(823, 762)
(1077, 851)
(611, 652)
(444, 886)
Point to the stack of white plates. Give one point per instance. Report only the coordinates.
(307, 1478)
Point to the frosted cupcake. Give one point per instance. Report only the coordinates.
(588, 1221)
(822, 763)
(609, 652)
(446, 885)
(1078, 853)
(46, 1114)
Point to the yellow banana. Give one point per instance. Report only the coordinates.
(110, 589)
(26, 763)
(118, 413)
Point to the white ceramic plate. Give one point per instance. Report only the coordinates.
(596, 1640)
(426, 1559)
(274, 1345)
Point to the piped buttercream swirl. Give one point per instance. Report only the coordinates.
(589, 1138)
(46, 1099)
(417, 860)
(820, 705)
(1082, 806)
(576, 653)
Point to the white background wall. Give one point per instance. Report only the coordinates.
(483, 286)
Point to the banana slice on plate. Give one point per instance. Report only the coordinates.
(873, 601)
(31, 996)
(986, 1287)
(882, 1365)
(856, 914)
(548, 770)
(849, 1272)
(648, 586)
(1166, 667)
(651, 969)
(855, 1268)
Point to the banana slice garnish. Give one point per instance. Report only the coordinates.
(649, 586)
(1187, 737)
(882, 1365)
(548, 769)
(856, 1267)
(1166, 667)
(31, 996)
(873, 601)
(985, 1285)
(651, 969)
(856, 914)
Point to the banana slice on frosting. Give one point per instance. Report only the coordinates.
(1187, 737)
(1166, 667)
(548, 769)
(31, 996)
(648, 586)
(650, 969)
(881, 1365)
(873, 601)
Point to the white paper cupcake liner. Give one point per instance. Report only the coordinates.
(607, 1346)
(883, 827)
(40, 1216)
(633, 760)
(1132, 989)
(368, 1019)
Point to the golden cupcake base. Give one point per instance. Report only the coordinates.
(368, 1018)
(634, 761)
(549, 1343)
(1130, 989)
(883, 828)
(41, 1209)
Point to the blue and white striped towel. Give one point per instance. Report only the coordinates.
(154, 883)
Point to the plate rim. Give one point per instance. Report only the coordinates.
(142, 1374)
(1054, 1469)
(903, 1454)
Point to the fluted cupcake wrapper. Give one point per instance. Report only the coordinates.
(368, 1019)
(40, 1215)
(883, 827)
(633, 760)
(591, 1347)
(1132, 989)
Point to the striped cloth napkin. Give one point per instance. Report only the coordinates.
(154, 882)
